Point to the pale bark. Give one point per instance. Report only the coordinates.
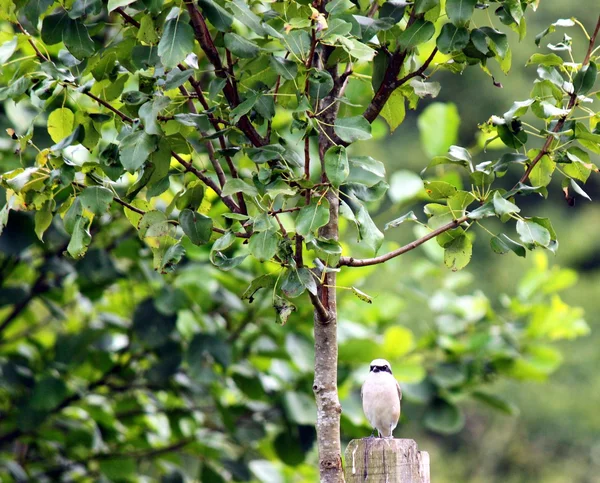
(326, 347)
(382, 460)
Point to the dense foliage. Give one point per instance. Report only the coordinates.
(173, 186)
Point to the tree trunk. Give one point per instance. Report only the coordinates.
(326, 358)
(326, 347)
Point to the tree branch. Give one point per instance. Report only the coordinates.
(365, 262)
(391, 82)
(561, 122)
(208, 46)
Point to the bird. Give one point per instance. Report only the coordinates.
(381, 396)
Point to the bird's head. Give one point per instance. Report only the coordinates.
(380, 365)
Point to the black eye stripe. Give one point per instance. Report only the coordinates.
(380, 369)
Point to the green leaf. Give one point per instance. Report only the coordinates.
(330, 251)
(585, 79)
(237, 185)
(7, 49)
(394, 111)
(263, 245)
(541, 174)
(503, 206)
(283, 309)
(336, 165)
(53, 27)
(579, 190)
(177, 41)
(312, 217)
(369, 234)
(285, 68)
(43, 220)
(196, 226)
(366, 171)
(15, 89)
(114, 4)
(424, 89)
(298, 43)
(457, 253)
(77, 39)
(153, 224)
(532, 233)
(96, 199)
(216, 15)
(60, 124)
(244, 107)
(438, 190)
(357, 49)
(496, 402)
(135, 149)
(460, 11)
(118, 468)
(264, 281)
(551, 60)
(240, 46)
(48, 393)
(80, 238)
(499, 40)
(502, 244)
(512, 138)
(320, 83)
(148, 113)
(438, 127)
(444, 417)
(241, 12)
(422, 6)
(452, 38)
(32, 10)
(419, 32)
(199, 121)
(203, 345)
(351, 129)
(410, 216)
(151, 327)
(580, 166)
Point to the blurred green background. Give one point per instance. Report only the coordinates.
(556, 437)
(264, 412)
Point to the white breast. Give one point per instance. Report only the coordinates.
(381, 402)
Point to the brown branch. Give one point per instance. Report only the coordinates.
(203, 37)
(207, 181)
(188, 166)
(419, 71)
(32, 43)
(122, 115)
(561, 122)
(325, 317)
(365, 262)
(391, 82)
(127, 17)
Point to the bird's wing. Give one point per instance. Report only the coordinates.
(399, 391)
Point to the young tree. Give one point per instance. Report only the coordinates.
(229, 124)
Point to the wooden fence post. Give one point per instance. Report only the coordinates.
(380, 460)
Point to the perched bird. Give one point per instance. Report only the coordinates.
(381, 396)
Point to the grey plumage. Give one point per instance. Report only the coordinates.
(381, 396)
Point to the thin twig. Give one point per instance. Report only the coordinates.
(561, 122)
(365, 262)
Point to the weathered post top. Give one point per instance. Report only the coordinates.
(380, 460)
